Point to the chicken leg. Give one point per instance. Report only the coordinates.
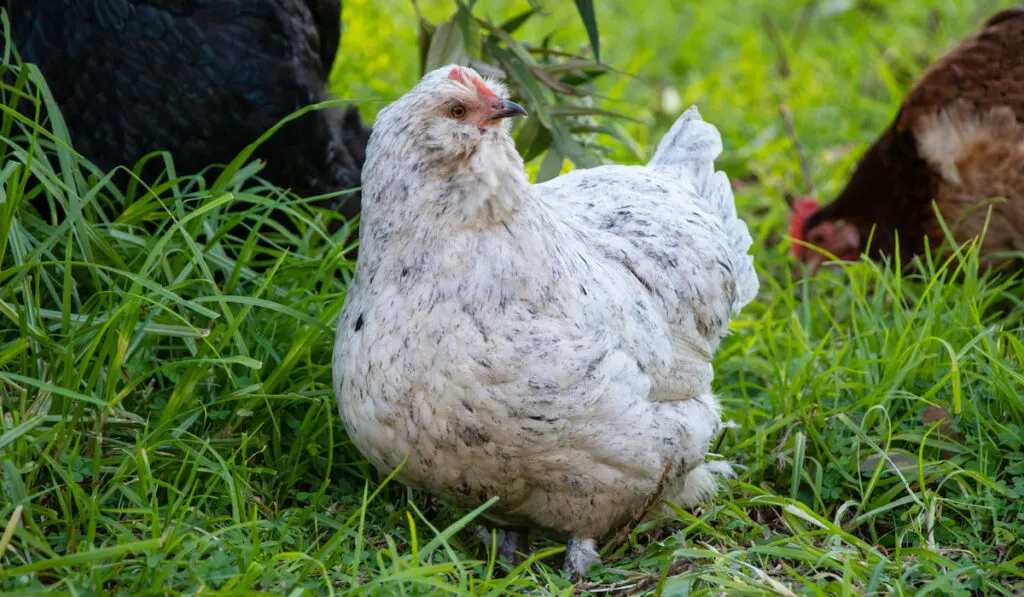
(512, 540)
(580, 555)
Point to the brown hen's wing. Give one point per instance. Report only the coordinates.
(966, 115)
(985, 69)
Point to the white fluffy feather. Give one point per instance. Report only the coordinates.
(549, 344)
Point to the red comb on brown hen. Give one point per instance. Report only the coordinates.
(803, 208)
(957, 140)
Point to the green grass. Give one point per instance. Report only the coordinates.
(166, 417)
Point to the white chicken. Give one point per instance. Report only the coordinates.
(548, 344)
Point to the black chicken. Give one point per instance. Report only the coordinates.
(200, 79)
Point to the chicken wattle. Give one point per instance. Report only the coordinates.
(549, 344)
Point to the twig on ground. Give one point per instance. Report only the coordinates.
(803, 22)
(805, 168)
(784, 70)
(782, 64)
(623, 534)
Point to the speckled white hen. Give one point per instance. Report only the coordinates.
(549, 344)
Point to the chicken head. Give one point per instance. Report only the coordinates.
(462, 111)
(838, 237)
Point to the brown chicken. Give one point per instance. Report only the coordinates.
(957, 140)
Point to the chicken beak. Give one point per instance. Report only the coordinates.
(507, 110)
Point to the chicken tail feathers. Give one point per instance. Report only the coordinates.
(688, 151)
(689, 148)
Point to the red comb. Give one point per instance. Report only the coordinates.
(483, 90)
(803, 208)
(460, 75)
(457, 74)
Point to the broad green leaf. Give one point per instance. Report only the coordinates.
(472, 42)
(551, 166)
(533, 139)
(533, 94)
(586, 10)
(446, 47)
(570, 148)
(616, 131)
(510, 26)
(565, 110)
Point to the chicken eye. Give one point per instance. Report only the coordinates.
(458, 111)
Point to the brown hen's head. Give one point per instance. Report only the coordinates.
(889, 192)
(837, 237)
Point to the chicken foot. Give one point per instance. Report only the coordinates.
(513, 543)
(512, 540)
(580, 555)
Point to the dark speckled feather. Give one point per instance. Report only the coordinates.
(198, 78)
